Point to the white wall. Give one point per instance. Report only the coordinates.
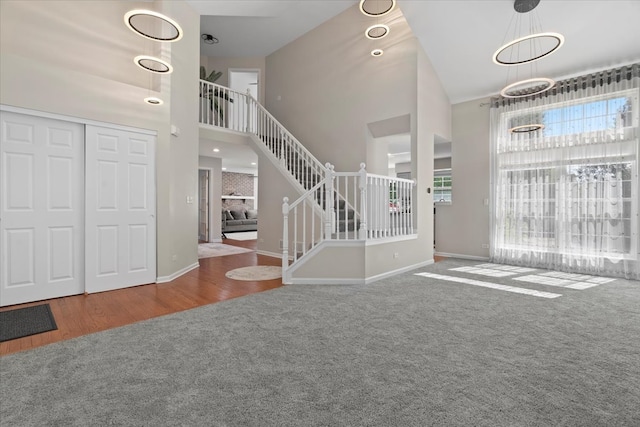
(76, 58)
(463, 227)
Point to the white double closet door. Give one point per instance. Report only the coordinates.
(77, 209)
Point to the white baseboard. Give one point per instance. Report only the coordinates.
(398, 271)
(471, 257)
(272, 254)
(327, 281)
(358, 281)
(165, 279)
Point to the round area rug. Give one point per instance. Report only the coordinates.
(258, 272)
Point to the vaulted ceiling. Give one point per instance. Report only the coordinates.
(459, 36)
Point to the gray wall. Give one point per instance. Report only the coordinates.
(325, 87)
(463, 227)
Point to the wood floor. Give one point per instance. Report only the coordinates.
(85, 314)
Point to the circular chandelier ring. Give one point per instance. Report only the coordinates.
(376, 15)
(136, 12)
(375, 27)
(168, 69)
(559, 38)
(152, 100)
(548, 84)
(534, 127)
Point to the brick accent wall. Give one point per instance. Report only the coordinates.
(241, 184)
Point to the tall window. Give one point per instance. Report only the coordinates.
(566, 197)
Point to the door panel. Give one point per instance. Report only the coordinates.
(120, 209)
(41, 208)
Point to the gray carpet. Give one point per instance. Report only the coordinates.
(407, 351)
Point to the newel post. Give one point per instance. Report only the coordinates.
(362, 234)
(248, 114)
(329, 214)
(285, 235)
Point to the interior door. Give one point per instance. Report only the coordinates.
(203, 205)
(41, 208)
(120, 209)
(243, 80)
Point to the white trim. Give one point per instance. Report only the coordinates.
(357, 281)
(72, 119)
(327, 281)
(393, 239)
(398, 271)
(271, 254)
(165, 279)
(461, 256)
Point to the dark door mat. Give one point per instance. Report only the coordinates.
(26, 321)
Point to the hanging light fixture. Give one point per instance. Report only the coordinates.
(153, 64)
(377, 8)
(526, 50)
(153, 25)
(377, 31)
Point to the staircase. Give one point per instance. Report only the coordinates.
(333, 206)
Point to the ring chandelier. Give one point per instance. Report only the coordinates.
(533, 47)
(157, 27)
(377, 9)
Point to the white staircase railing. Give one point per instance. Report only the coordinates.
(336, 206)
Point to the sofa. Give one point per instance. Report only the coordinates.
(239, 219)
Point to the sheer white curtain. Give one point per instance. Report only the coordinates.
(566, 197)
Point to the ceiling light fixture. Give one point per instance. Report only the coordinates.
(216, 150)
(554, 41)
(153, 25)
(377, 52)
(527, 128)
(526, 50)
(153, 64)
(209, 39)
(376, 32)
(153, 100)
(377, 8)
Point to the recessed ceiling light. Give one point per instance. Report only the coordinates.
(253, 163)
(376, 32)
(377, 52)
(153, 100)
(153, 64)
(153, 25)
(216, 150)
(224, 169)
(377, 8)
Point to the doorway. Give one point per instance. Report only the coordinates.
(203, 206)
(244, 80)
